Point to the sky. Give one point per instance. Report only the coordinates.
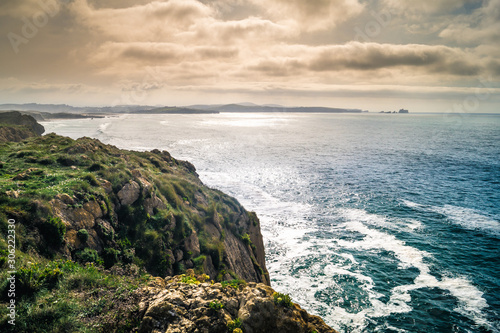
(425, 56)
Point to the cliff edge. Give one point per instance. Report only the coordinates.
(89, 202)
(110, 240)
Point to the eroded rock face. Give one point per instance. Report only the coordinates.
(87, 217)
(181, 307)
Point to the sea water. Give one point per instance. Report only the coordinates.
(375, 222)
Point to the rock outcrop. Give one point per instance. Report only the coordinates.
(183, 304)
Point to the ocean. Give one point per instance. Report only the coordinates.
(375, 222)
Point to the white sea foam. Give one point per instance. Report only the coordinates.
(103, 127)
(413, 224)
(466, 218)
(469, 219)
(470, 299)
(382, 221)
(412, 204)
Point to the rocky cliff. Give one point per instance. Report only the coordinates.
(110, 240)
(91, 202)
(25, 126)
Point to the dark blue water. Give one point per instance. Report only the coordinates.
(378, 223)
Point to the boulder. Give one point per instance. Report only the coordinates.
(178, 254)
(129, 193)
(65, 198)
(145, 185)
(25, 175)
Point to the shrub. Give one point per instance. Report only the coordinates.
(215, 305)
(96, 167)
(46, 160)
(182, 229)
(26, 153)
(67, 160)
(83, 235)
(246, 239)
(199, 261)
(283, 299)
(189, 279)
(232, 325)
(214, 248)
(89, 255)
(54, 230)
(31, 279)
(110, 257)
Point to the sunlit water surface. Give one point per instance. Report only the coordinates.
(378, 223)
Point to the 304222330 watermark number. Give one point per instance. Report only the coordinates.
(11, 292)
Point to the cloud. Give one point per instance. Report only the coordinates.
(186, 22)
(480, 27)
(425, 7)
(312, 15)
(370, 57)
(14, 85)
(280, 46)
(243, 31)
(27, 8)
(154, 21)
(160, 53)
(374, 56)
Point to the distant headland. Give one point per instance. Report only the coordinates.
(43, 112)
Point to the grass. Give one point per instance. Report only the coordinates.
(63, 296)
(236, 283)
